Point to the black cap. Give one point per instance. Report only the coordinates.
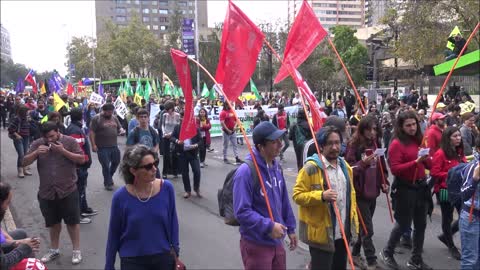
(266, 131)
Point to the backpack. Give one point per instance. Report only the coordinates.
(225, 195)
(454, 183)
(136, 133)
(300, 137)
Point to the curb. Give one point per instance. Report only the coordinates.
(8, 223)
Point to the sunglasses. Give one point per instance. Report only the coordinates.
(149, 166)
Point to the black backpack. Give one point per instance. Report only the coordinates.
(454, 183)
(225, 195)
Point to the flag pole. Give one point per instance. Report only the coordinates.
(239, 123)
(382, 170)
(327, 179)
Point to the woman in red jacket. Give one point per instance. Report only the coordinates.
(203, 123)
(448, 156)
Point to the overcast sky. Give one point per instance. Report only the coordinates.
(40, 30)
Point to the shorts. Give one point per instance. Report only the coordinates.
(54, 211)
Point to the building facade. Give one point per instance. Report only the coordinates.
(6, 52)
(154, 14)
(353, 13)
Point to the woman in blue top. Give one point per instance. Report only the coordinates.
(143, 220)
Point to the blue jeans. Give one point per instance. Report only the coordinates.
(82, 174)
(109, 158)
(21, 145)
(470, 236)
(193, 161)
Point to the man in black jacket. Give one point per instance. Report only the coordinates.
(459, 42)
(188, 154)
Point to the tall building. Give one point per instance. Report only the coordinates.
(5, 45)
(154, 14)
(293, 8)
(353, 13)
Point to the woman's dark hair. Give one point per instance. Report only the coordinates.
(206, 112)
(358, 139)
(108, 106)
(141, 111)
(169, 105)
(53, 115)
(467, 116)
(132, 159)
(48, 126)
(400, 134)
(22, 111)
(76, 114)
(450, 151)
(5, 189)
(301, 114)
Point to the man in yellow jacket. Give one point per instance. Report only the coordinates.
(318, 226)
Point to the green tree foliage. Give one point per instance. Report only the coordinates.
(10, 72)
(80, 54)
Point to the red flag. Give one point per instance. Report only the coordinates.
(69, 89)
(241, 44)
(188, 128)
(318, 115)
(30, 78)
(303, 38)
(80, 86)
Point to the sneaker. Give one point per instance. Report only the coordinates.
(210, 150)
(89, 212)
(85, 220)
(238, 161)
(455, 253)
(359, 262)
(389, 261)
(226, 161)
(406, 242)
(202, 165)
(76, 257)
(420, 265)
(443, 239)
(51, 255)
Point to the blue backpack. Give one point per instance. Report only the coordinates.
(454, 183)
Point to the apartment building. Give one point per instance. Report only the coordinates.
(6, 53)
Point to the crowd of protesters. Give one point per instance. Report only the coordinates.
(348, 171)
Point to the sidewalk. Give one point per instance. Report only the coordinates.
(8, 224)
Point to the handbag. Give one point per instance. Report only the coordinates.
(179, 265)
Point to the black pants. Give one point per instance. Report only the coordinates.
(170, 159)
(448, 228)
(203, 150)
(299, 155)
(82, 174)
(411, 204)
(367, 209)
(192, 160)
(324, 260)
(163, 261)
(3, 119)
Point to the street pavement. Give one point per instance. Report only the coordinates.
(205, 241)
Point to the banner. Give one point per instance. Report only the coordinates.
(96, 98)
(154, 110)
(120, 108)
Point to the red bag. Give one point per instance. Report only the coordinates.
(29, 264)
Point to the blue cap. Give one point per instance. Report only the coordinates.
(266, 131)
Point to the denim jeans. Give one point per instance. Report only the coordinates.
(286, 144)
(192, 160)
(470, 237)
(109, 158)
(367, 209)
(82, 174)
(232, 139)
(21, 145)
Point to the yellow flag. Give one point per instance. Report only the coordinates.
(166, 78)
(43, 90)
(58, 103)
(454, 32)
(137, 99)
(44, 119)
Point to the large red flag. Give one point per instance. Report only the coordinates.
(69, 89)
(318, 115)
(188, 128)
(303, 38)
(241, 44)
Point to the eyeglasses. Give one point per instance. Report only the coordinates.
(149, 166)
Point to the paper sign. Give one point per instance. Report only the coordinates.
(380, 151)
(423, 152)
(154, 110)
(96, 98)
(120, 108)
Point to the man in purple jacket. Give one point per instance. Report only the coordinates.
(261, 236)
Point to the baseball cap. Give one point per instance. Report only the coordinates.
(441, 105)
(266, 131)
(437, 116)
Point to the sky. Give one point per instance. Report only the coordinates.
(40, 30)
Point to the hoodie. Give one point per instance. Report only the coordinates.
(249, 204)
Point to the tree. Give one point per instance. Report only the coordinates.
(79, 52)
(10, 72)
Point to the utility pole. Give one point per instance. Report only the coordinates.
(93, 63)
(197, 48)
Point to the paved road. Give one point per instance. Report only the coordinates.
(205, 242)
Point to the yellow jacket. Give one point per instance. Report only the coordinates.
(315, 216)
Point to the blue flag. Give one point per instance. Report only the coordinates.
(100, 89)
(20, 86)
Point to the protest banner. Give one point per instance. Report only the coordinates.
(96, 98)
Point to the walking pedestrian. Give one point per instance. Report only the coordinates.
(57, 157)
(3, 111)
(227, 120)
(143, 227)
(104, 129)
(170, 119)
(282, 121)
(19, 132)
(203, 123)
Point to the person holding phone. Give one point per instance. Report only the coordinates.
(411, 198)
(368, 182)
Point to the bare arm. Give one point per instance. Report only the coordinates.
(30, 158)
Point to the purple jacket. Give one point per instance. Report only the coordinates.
(250, 207)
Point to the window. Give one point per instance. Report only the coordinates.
(155, 27)
(146, 19)
(121, 19)
(163, 3)
(137, 2)
(349, 20)
(182, 4)
(163, 27)
(324, 5)
(163, 19)
(121, 10)
(154, 3)
(154, 11)
(349, 6)
(148, 27)
(163, 11)
(146, 11)
(155, 19)
(190, 4)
